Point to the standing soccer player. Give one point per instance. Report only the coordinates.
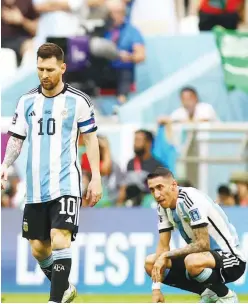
(52, 116)
(212, 257)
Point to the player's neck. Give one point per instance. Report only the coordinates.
(174, 201)
(50, 93)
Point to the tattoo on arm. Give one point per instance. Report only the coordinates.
(13, 150)
(199, 244)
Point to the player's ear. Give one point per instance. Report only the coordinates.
(63, 67)
(174, 185)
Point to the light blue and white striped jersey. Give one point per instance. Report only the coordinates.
(52, 125)
(194, 209)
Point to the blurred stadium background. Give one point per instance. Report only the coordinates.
(184, 47)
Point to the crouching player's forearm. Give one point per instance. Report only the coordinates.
(163, 263)
(157, 296)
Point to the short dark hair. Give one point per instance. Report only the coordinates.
(224, 190)
(189, 89)
(160, 171)
(49, 50)
(148, 135)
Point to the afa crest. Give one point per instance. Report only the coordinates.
(25, 226)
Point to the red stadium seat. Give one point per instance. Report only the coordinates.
(112, 92)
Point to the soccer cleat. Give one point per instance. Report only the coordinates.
(208, 296)
(231, 297)
(70, 294)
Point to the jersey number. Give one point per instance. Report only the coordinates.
(50, 126)
(71, 206)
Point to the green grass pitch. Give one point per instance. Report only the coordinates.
(43, 298)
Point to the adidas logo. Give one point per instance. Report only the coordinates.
(32, 113)
(69, 220)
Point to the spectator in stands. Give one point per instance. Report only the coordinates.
(192, 109)
(138, 168)
(240, 179)
(57, 18)
(19, 25)
(219, 12)
(63, 18)
(131, 48)
(112, 177)
(225, 196)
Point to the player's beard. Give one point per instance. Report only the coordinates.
(49, 84)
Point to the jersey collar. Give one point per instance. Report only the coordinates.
(62, 92)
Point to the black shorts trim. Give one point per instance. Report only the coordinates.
(230, 266)
(166, 229)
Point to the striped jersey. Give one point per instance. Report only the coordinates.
(52, 126)
(194, 209)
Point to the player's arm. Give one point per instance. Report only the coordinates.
(163, 243)
(164, 227)
(198, 222)
(13, 150)
(92, 150)
(87, 126)
(17, 132)
(201, 243)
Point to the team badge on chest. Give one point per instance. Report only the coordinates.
(64, 113)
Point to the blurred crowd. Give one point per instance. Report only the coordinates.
(110, 32)
(87, 30)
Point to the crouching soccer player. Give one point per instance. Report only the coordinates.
(212, 257)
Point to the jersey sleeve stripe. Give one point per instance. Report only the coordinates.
(189, 200)
(199, 225)
(86, 123)
(91, 130)
(16, 135)
(182, 196)
(79, 93)
(165, 229)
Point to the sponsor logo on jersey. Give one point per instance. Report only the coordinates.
(32, 113)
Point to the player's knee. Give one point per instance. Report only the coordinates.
(192, 262)
(149, 262)
(40, 251)
(60, 239)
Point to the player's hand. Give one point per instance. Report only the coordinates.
(94, 191)
(4, 176)
(157, 296)
(157, 270)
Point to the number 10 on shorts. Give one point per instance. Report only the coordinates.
(68, 206)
